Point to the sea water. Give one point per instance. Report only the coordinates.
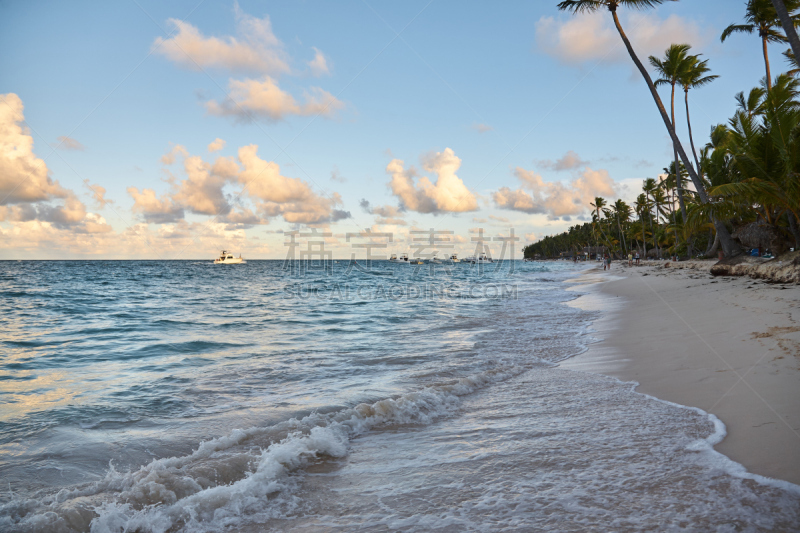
(187, 396)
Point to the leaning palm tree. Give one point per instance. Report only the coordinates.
(788, 25)
(590, 6)
(693, 76)
(760, 17)
(672, 69)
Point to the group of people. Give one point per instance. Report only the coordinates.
(632, 257)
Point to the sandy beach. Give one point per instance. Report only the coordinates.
(729, 346)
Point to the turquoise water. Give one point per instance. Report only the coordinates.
(171, 396)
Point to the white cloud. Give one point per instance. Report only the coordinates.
(254, 49)
(592, 36)
(530, 237)
(319, 65)
(251, 99)
(68, 143)
(447, 195)
(154, 209)
(568, 161)
(291, 198)
(23, 176)
(27, 192)
(555, 199)
(482, 128)
(98, 194)
(216, 145)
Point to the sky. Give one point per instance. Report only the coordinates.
(172, 130)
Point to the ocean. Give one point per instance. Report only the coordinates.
(185, 396)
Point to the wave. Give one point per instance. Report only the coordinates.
(230, 477)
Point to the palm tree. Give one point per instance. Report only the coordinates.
(761, 17)
(695, 75)
(649, 187)
(641, 205)
(788, 25)
(622, 212)
(599, 203)
(753, 104)
(590, 6)
(672, 69)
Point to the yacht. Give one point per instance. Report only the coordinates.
(454, 259)
(482, 260)
(435, 260)
(402, 259)
(470, 259)
(226, 258)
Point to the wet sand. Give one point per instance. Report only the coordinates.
(730, 346)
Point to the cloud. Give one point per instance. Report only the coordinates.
(291, 198)
(24, 178)
(335, 176)
(176, 151)
(592, 36)
(568, 161)
(98, 193)
(319, 65)
(255, 48)
(499, 219)
(154, 209)
(216, 145)
(555, 198)
(530, 237)
(447, 195)
(68, 143)
(264, 193)
(249, 99)
(482, 128)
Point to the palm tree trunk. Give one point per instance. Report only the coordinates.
(678, 176)
(794, 229)
(691, 140)
(714, 246)
(728, 245)
(766, 63)
(788, 26)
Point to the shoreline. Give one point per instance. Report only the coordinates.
(728, 346)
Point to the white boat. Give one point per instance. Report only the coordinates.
(402, 259)
(435, 260)
(482, 260)
(454, 259)
(470, 259)
(226, 258)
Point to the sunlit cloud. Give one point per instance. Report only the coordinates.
(447, 194)
(252, 99)
(592, 36)
(555, 199)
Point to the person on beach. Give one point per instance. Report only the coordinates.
(637, 258)
(608, 261)
(630, 259)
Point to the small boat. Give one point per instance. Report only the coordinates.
(226, 258)
(470, 259)
(482, 260)
(417, 262)
(402, 259)
(435, 260)
(454, 259)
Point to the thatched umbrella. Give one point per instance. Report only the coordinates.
(761, 235)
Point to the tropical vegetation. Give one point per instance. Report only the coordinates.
(745, 180)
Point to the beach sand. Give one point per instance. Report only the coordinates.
(730, 346)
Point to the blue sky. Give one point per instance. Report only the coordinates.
(509, 89)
